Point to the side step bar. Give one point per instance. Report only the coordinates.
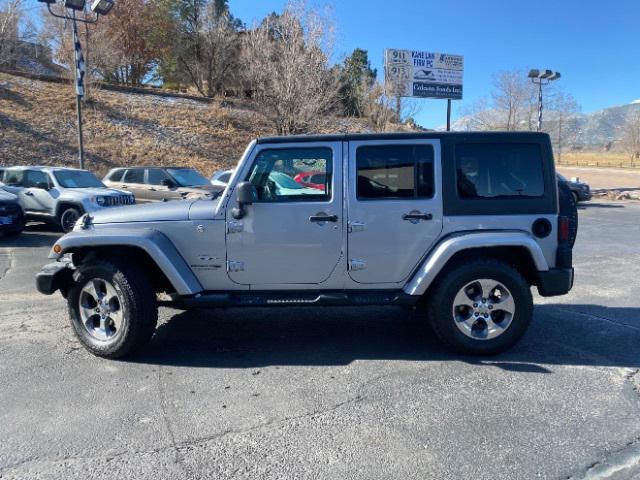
(279, 298)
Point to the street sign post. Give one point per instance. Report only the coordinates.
(418, 74)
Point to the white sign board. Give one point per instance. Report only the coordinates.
(409, 73)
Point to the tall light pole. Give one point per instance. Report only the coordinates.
(540, 78)
(98, 7)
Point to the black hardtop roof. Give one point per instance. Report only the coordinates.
(344, 137)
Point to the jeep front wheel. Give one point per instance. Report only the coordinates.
(481, 307)
(112, 309)
(68, 219)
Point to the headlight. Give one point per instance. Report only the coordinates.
(101, 201)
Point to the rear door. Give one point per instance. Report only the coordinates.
(133, 181)
(394, 207)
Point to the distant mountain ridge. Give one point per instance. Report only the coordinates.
(593, 129)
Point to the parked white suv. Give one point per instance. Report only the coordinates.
(60, 195)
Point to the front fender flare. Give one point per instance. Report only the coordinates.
(157, 245)
(445, 250)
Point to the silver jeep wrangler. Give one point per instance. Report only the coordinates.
(459, 225)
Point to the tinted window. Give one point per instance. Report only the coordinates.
(13, 177)
(156, 176)
(77, 179)
(116, 176)
(395, 171)
(491, 170)
(187, 177)
(134, 175)
(274, 172)
(35, 178)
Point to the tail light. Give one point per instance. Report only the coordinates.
(563, 229)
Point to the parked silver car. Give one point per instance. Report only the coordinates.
(61, 195)
(458, 225)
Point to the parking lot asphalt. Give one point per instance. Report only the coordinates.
(333, 392)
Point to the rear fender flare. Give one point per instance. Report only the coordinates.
(439, 257)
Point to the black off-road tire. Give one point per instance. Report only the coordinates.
(65, 223)
(139, 303)
(441, 302)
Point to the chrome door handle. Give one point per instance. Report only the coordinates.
(323, 218)
(417, 216)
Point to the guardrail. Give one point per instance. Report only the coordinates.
(603, 164)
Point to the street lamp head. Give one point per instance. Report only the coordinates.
(547, 75)
(101, 7)
(74, 4)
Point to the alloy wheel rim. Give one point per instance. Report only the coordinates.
(483, 309)
(69, 220)
(101, 309)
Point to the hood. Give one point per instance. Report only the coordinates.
(7, 196)
(146, 212)
(96, 192)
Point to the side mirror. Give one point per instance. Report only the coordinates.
(168, 183)
(245, 192)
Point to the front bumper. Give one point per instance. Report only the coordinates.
(54, 276)
(556, 281)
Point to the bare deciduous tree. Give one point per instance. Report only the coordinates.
(285, 62)
(216, 58)
(630, 138)
(10, 14)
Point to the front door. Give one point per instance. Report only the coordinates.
(39, 194)
(394, 207)
(291, 234)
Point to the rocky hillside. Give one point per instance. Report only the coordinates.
(38, 126)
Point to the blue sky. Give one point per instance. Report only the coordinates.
(594, 44)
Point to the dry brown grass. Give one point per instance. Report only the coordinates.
(38, 127)
(597, 159)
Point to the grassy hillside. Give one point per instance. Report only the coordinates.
(38, 126)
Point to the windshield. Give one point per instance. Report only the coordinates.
(284, 181)
(77, 179)
(187, 177)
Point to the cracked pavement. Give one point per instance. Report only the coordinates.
(329, 393)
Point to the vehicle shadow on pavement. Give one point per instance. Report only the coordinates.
(34, 235)
(589, 335)
(588, 205)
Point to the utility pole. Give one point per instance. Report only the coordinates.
(98, 7)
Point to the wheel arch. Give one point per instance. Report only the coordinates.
(518, 249)
(63, 205)
(149, 248)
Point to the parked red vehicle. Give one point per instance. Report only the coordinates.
(315, 180)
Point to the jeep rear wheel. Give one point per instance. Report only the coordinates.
(68, 219)
(112, 309)
(481, 308)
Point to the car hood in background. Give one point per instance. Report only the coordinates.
(97, 192)
(7, 196)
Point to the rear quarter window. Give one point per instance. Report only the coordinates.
(499, 170)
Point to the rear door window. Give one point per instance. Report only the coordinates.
(499, 170)
(394, 171)
(134, 175)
